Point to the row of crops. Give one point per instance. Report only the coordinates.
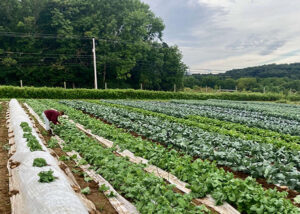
(180, 139)
(37, 184)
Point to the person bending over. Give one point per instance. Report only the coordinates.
(51, 115)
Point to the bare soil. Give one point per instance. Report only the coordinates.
(99, 199)
(5, 207)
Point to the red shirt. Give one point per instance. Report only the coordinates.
(52, 115)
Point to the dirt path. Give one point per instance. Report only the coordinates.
(5, 207)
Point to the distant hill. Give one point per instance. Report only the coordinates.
(272, 78)
(291, 71)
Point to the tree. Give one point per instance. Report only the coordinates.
(246, 83)
(128, 35)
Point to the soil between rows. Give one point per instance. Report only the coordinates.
(291, 193)
(5, 207)
(99, 199)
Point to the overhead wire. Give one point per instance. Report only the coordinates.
(58, 36)
(26, 53)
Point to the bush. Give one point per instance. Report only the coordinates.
(60, 93)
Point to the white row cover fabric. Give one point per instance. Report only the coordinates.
(56, 197)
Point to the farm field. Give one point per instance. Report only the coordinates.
(138, 156)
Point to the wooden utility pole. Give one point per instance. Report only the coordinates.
(95, 66)
(104, 74)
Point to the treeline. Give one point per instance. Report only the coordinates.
(291, 71)
(271, 78)
(49, 42)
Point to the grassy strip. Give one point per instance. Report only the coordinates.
(203, 176)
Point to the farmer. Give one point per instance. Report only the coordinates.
(51, 115)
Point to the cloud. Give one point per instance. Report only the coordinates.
(225, 34)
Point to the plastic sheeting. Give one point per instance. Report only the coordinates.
(56, 197)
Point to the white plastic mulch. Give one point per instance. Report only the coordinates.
(56, 197)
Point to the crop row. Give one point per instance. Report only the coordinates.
(220, 126)
(278, 166)
(34, 166)
(249, 118)
(149, 193)
(204, 177)
(287, 111)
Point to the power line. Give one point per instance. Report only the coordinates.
(24, 53)
(57, 36)
(39, 35)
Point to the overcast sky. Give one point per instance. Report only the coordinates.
(224, 34)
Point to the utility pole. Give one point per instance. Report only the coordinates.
(21, 83)
(65, 85)
(95, 67)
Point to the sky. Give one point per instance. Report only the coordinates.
(218, 35)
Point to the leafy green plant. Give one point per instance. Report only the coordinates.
(39, 162)
(208, 124)
(277, 166)
(203, 176)
(32, 141)
(297, 199)
(46, 176)
(25, 126)
(6, 147)
(86, 191)
(53, 143)
(87, 178)
(44, 133)
(112, 195)
(103, 188)
(64, 158)
(76, 171)
(82, 162)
